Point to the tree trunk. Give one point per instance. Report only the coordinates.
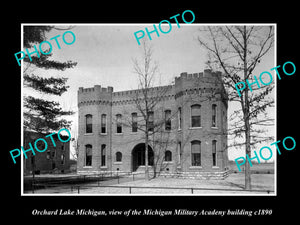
(246, 117)
(247, 140)
(248, 152)
(146, 156)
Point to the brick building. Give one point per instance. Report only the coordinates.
(191, 141)
(53, 160)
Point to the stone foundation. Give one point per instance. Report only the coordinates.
(217, 175)
(198, 175)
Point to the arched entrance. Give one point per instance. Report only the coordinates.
(138, 156)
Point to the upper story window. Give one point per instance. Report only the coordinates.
(103, 123)
(89, 123)
(214, 115)
(151, 121)
(168, 120)
(196, 115)
(179, 119)
(119, 123)
(134, 122)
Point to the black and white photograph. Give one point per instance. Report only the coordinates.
(159, 116)
(173, 115)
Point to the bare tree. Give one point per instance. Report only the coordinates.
(237, 50)
(145, 103)
(150, 102)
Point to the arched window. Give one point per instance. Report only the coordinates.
(88, 123)
(103, 154)
(168, 156)
(168, 120)
(179, 153)
(118, 157)
(214, 115)
(103, 123)
(195, 115)
(214, 152)
(179, 119)
(119, 123)
(196, 153)
(134, 122)
(88, 155)
(151, 121)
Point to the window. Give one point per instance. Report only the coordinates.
(214, 152)
(88, 155)
(214, 115)
(134, 122)
(179, 119)
(33, 159)
(119, 123)
(168, 120)
(103, 123)
(62, 158)
(195, 114)
(118, 157)
(168, 156)
(196, 153)
(103, 153)
(88, 123)
(48, 154)
(151, 121)
(179, 153)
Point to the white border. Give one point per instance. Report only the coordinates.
(146, 24)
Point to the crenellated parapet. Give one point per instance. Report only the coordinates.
(206, 79)
(96, 95)
(202, 83)
(160, 93)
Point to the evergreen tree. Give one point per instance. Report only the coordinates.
(41, 115)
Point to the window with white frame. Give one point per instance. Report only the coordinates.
(168, 120)
(196, 153)
(214, 115)
(119, 123)
(134, 122)
(103, 155)
(103, 123)
(88, 123)
(118, 157)
(88, 155)
(168, 156)
(214, 153)
(196, 115)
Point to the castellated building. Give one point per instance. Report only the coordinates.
(187, 128)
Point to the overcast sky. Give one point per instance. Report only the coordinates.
(104, 55)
